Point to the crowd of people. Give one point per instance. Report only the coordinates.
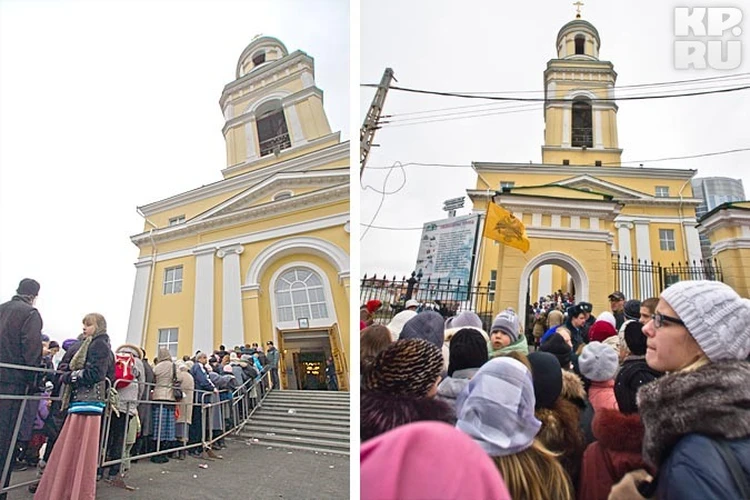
(649, 399)
(153, 410)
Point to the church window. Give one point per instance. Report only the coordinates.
(273, 135)
(506, 185)
(168, 340)
(283, 195)
(491, 285)
(176, 220)
(259, 58)
(566, 162)
(579, 44)
(172, 280)
(662, 191)
(299, 294)
(666, 239)
(598, 163)
(582, 128)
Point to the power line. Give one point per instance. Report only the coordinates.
(369, 226)
(539, 99)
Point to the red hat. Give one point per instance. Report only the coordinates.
(601, 330)
(373, 305)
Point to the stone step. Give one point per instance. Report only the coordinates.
(312, 414)
(272, 419)
(307, 408)
(306, 424)
(311, 401)
(262, 432)
(317, 449)
(316, 442)
(311, 394)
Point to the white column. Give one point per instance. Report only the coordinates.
(203, 310)
(566, 127)
(623, 241)
(556, 221)
(693, 242)
(536, 220)
(251, 146)
(292, 120)
(545, 282)
(138, 303)
(575, 222)
(594, 223)
(598, 142)
(232, 331)
(643, 251)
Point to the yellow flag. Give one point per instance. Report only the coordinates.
(501, 225)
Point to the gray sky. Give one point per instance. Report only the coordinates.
(105, 106)
(481, 46)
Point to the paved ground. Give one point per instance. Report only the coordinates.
(251, 471)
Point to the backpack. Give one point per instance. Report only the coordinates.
(124, 369)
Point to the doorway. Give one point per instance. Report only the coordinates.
(303, 359)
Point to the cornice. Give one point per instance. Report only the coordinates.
(730, 244)
(544, 168)
(552, 206)
(273, 208)
(315, 142)
(568, 234)
(578, 150)
(314, 158)
(691, 202)
(723, 218)
(265, 72)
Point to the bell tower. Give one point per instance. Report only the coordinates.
(580, 116)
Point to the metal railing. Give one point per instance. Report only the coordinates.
(281, 141)
(239, 406)
(640, 280)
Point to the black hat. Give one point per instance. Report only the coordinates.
(406, 368)
(631, 377)
(574, 311)
(635, 339)
(586, 307)
(632, 309)
(53, 344)
(617, 295)
(468, 349)
(29, 287)
(557, 346)
(547, 376)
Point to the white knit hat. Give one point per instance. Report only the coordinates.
(598, 362)
(715, 315)
(608, 317)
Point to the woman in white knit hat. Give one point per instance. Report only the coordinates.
(697, 417)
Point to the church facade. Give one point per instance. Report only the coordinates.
(262, 254)
(582, 209)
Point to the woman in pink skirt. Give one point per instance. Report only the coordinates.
(71, 471)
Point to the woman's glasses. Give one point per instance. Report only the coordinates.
(659, 320)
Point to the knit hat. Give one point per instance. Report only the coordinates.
(557, 346)
(630, 378)
(632, 309)
(398, 322)
(598, 362)
(547, 375)
(407, 368)
(466, 318)
(635, 339)
(496, 408)
(53, 344)
(507, 323)
(373, 305)
(411, 303)
(68, 343)
(427, 325)
(608, 317)
(601, 330)
(45, 337)
(29, 287)
(468, 349)
(715, 315)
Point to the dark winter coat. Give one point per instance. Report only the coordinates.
(100, 363)
(684, 415)
(20, 340)
(380, 413)
(561, 433)
(616, 452)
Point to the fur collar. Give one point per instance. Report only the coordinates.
(379, 413)
(572, 388)
(617, 431)
(712, 400)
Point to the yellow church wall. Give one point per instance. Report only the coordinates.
(667, 256)
(734, 264)
(236, 147)
(241, 105)
(161, 219)
(298, 191)
(565, 221)
(580, 157)
(585, 223)
(312, 117)
(559, 192)
(169, 311)
(546, 220)
(285, 155)
(725, 233)
(318, 113)
(343, 163)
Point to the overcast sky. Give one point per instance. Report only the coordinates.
(482, 46)
(106, 106)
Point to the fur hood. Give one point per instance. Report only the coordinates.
(132, 349)
(561, 433)
(380, 413)
(572, 388)
(617, 431)
(712, 400)
(450, 332)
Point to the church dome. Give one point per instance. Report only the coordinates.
(578, 39)
(262, 50)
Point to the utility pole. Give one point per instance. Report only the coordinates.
(370, 125)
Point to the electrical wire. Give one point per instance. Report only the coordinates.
(383, 193)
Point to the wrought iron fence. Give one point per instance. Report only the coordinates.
(444, 296)
(638, 279)
(281, 142)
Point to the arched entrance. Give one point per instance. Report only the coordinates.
(571, 266)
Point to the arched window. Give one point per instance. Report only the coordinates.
(582, 130)
(579, 39)
(273, 135)
(299, 294)
(282, 195)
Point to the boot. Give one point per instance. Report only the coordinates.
(211, 454)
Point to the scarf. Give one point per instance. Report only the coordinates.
(711, 400)
(77, 363)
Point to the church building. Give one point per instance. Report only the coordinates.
(263, 253)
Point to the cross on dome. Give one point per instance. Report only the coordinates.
(578, 5)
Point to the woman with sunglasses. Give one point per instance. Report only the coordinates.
(697, 417)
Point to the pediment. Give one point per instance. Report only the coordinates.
(590, 183)
(262, 192)
(559, 191)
